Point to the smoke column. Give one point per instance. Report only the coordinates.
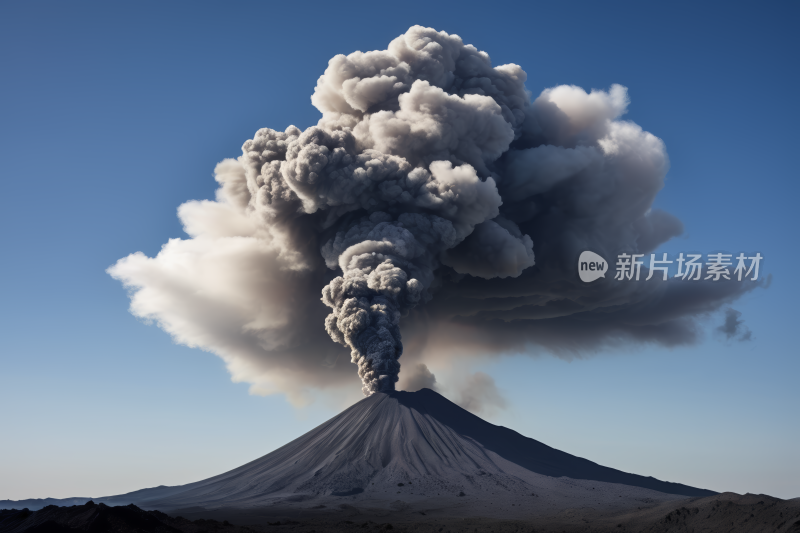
(420, 197)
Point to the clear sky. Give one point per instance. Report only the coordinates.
(113, 114)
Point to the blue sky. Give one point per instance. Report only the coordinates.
(112, 115)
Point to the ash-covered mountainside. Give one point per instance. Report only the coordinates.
(527, 452)
(416, 444)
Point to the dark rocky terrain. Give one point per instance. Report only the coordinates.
(102, 518)
(726, 512)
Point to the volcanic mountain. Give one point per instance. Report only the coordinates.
(412, 449)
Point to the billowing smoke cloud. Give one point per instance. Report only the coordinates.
(434, 194)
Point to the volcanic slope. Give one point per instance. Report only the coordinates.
(409, 450)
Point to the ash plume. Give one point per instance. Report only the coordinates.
(434, 193)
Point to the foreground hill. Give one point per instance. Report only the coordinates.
(724, 512)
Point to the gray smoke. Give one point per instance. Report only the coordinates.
(421, 196)
(733, 327)
(419, 377)
(479, 394)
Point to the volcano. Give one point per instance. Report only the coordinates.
(403, 450)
